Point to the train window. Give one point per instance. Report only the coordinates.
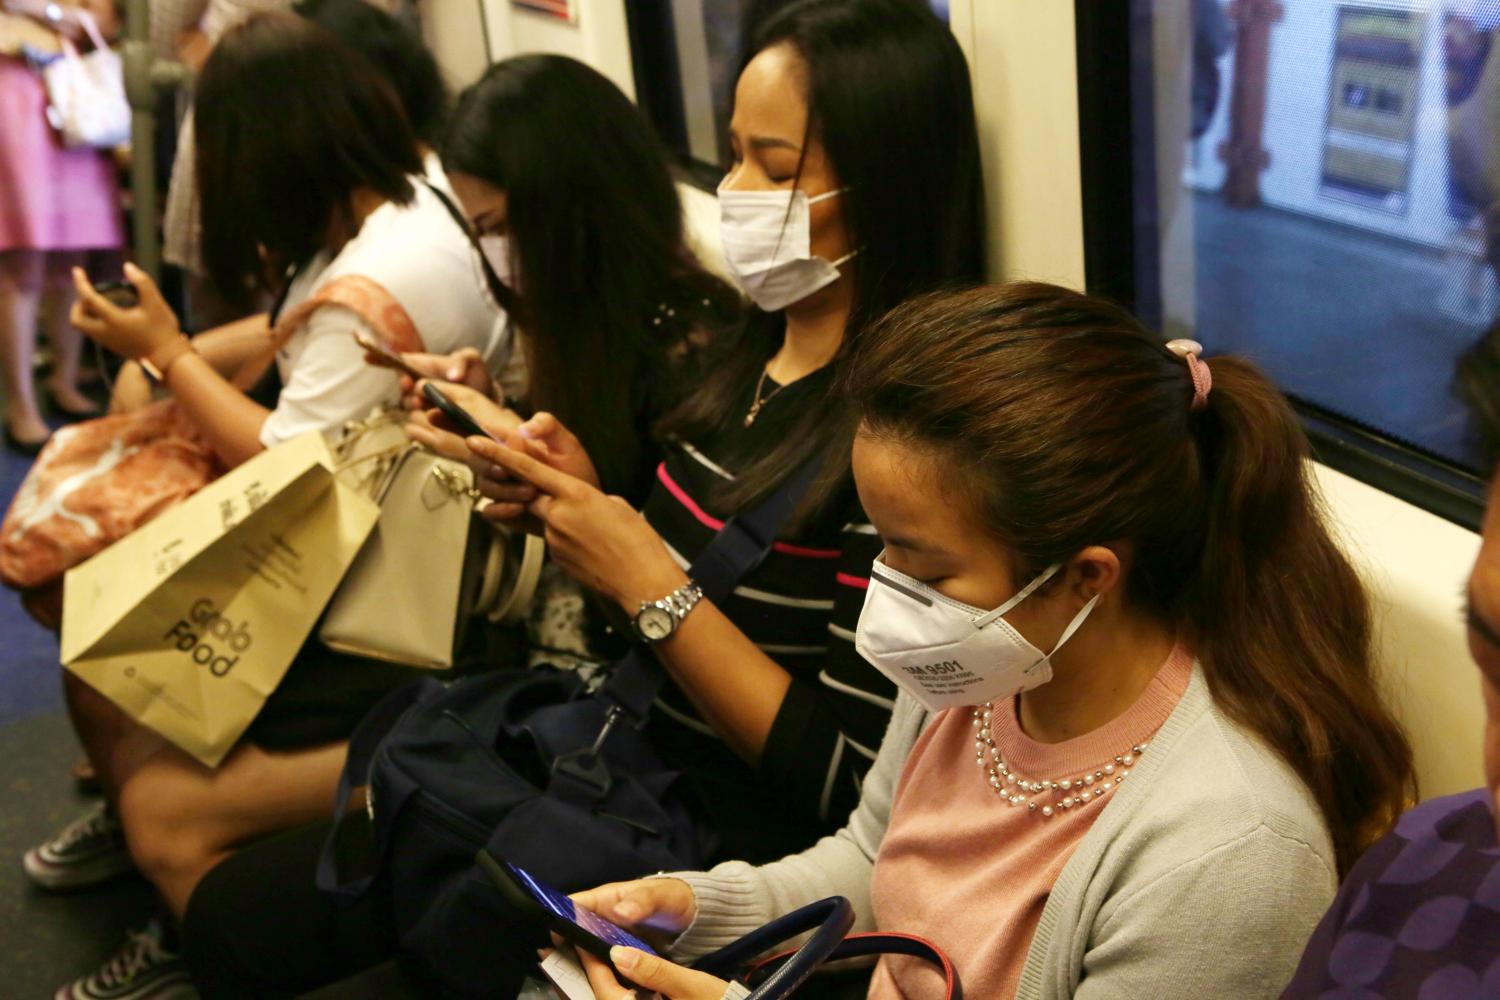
(1314, 184)
(686, 53)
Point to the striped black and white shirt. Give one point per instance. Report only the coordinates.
(800, 606)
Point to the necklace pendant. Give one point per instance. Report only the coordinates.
(754, 412)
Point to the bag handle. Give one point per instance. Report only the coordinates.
(828, 919)
(865, 946)
(637, 678)
(90, 28)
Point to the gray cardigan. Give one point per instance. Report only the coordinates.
(1203, 877)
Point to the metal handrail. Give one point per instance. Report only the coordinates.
(145, 75)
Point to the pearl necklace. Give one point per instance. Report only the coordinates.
(1075, 792)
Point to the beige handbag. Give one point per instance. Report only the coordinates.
(431, 563)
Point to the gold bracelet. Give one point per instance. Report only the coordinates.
(159, 363)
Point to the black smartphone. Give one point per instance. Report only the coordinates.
(460, 417)
(387, 357)
(556, 912)
(119, 293)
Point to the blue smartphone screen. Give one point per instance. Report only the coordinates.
(589, 921)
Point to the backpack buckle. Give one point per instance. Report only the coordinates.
(586, 765)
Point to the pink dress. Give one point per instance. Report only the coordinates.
(51, 198)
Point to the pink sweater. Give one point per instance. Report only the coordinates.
(963, 868)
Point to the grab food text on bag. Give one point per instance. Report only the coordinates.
(203, 623)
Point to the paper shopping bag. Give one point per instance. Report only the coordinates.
(190, 622)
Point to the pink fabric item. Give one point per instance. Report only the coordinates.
(97, 481)
(970, 873)
(51, 198)
(364, 297)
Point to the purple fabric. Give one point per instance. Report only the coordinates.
(51, 198)
(1419, 916)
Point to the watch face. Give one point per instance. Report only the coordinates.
(655, 623)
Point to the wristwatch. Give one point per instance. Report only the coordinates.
(657, 620)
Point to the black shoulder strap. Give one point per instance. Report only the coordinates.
(636, 677)
(292, 274)
(738, 548)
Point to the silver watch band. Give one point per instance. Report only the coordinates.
(682, 600)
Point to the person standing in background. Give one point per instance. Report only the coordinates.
(186, 30)
(55, 204)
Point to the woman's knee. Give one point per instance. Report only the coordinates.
(164, 840)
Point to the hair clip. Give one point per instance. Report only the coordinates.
(1191, 351)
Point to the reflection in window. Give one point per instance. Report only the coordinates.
(1317, 186)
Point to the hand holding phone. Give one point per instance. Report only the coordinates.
(556, 912)
(119, 293)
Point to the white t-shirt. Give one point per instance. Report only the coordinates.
(419, 255)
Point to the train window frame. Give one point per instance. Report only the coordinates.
(659, 91)
(1113, 251)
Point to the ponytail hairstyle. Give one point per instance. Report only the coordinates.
(1073, 426)
(888, 95)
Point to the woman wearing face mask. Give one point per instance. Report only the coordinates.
(1135, 674)
(827, 221)
(769, 712)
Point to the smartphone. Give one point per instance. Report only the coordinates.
(119, 293)
(554, 910)
(460, 417)
(387, 357)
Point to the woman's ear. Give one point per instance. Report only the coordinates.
(1094, 571)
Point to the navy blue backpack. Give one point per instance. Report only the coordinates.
(536, 769)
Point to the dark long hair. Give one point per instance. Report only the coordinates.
(888, 95)
(1071, 425)
(393, 49)
(597, 242)
(289, 124)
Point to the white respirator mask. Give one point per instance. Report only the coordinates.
(945, 653)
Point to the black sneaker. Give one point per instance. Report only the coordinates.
(144, 969)
(88, 851)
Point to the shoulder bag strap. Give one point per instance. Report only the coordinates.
(736, 550)
(636, 678)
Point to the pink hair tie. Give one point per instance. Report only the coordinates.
(1190, 351)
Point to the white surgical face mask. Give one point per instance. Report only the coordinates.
(496, 250)
(945, 653)
(767, 238)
